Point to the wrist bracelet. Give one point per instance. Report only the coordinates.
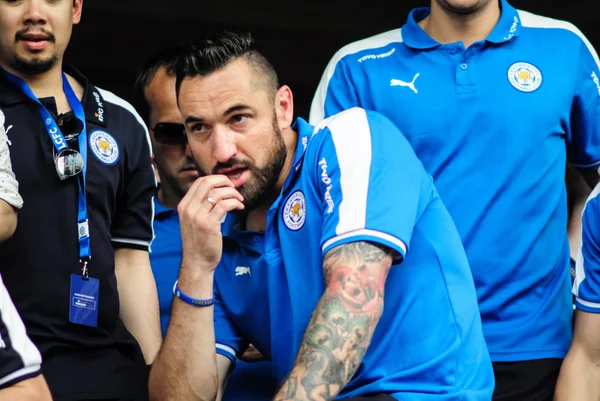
(189, 300)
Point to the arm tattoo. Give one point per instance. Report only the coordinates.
(341, 327)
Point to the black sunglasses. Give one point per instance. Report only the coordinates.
(170, 134)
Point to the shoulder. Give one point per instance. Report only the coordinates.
(120, 106)
(563, 31)
(358, 132)
(355, 122)
(123, 120)
(373, 47)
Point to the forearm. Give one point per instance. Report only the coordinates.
(343, 323)
(323, 369)
(34, 389)
(139, 300)
(8, 220)
(186, 367)
(578, 379)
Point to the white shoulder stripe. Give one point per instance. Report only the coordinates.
(351, 136)
(580, 262)
(529, 20)
(20, 343)
(317, 111)
(114, 99)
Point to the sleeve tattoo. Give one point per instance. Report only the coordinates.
(342, 325)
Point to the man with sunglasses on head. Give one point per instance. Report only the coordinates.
(157, 103)
(77, 266)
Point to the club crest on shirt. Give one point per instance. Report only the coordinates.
(294, 211)
(104, 147)
(524, 76)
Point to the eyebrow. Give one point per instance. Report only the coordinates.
(232, 109)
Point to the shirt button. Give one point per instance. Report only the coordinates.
(464, 66)
(256, 238)
(453, 50)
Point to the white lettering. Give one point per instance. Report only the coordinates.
(596, 81)
(513, 29)
(376, 56)
(327, 181)
(57, 139)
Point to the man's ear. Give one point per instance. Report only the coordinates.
(284, 107)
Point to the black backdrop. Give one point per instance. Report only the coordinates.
(116, 36)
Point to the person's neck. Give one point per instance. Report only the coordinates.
(256, 220)
(447, 27)
(168, 197)
(50, 84)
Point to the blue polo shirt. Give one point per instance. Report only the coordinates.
(250, 381)
(586, 287)
(355, 178)
(494, 124)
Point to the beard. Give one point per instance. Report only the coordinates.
(34, 66)
(260, 187)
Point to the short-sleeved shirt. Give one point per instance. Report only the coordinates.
(39, 259)
(9, 187)
(491, 124)
(586, 286)
(355, 178)
(249, 381)
(19, 358)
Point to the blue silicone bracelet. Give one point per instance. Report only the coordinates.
(189, 300)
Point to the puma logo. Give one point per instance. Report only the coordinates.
(410, 85)
(240, 270)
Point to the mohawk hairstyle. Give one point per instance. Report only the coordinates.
(213, 53)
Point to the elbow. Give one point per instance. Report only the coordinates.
(162, 388)
(8, 223)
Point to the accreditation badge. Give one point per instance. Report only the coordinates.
(84, 300)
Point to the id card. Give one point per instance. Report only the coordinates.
(83, 308)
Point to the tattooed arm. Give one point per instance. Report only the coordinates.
(342, 325)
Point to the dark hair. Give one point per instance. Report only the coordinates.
(213, 53)
(165, 58)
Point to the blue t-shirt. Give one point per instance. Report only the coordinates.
(494, 124)
(249, 381)
(586, 287)
(355, 178)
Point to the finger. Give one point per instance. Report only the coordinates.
(199, 190)
(225, 206)
(218, 194)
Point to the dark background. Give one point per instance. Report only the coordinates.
(115, 37)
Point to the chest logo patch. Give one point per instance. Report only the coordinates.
(524, 76)
(294, 211)
(104, 147)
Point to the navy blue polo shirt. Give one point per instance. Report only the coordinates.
(355, 178)
(494, 124)
(38, 260)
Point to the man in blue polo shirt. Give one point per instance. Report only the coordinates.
(321, 222)
(156, 101)
(579, 374)
(489, 98)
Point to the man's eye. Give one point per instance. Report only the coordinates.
(197, 128)
(240, 118)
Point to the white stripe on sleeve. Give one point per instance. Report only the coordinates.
(17, 344)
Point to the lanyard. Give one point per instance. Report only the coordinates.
(60, 144)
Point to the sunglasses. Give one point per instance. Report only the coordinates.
(170, 134)
(68, 162)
